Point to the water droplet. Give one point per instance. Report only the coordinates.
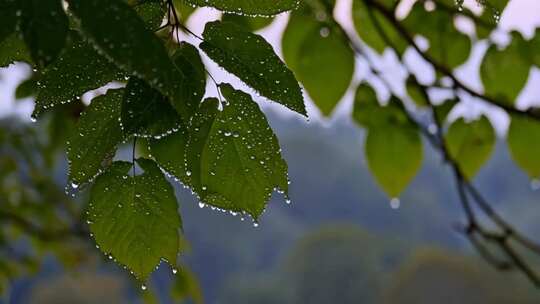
(143, 287)
(174, 271)
(395, 203)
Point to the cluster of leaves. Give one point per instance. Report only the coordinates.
(223, 149)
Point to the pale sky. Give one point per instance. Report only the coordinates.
(522, 15)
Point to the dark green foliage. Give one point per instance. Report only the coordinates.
(248, 7)
(253, 60)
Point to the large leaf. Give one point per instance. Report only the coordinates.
(394, 156)
(44, 26)
(188, 62)
(375, 30)
(146, 112)
(117, 31)
(321, 59)
(249, 7)
(368, 113)
(78, 69)
(233, 159)
(470, 144)
(135, 220)
(505, 73)
(253, 60)
(447, 45)
(94, 142)
(524, 144)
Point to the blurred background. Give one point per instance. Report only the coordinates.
(340, 240)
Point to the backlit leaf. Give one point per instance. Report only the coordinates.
(524, 144)
(470, 144)
(322, 60)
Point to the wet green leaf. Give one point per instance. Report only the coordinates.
(470, 144)
(524, 144)
(120, 34)
(146, 112)
(248, 23)
(79, 69)
(13, 49)
(135, 220)
(253, 60)
(93, 143)
(44, 26)
(249, 7)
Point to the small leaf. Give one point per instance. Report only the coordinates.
(146, 112)
(78, 69)
(367, 111)
(96, 137)
(27, 88)
(447, 45)
(44, 26)
(249, 7)
(119, 33)
(135, 220)
(470, 144)
(394, 156)
(253, 60)
(443, 110)
(321, 59)
(524, 144)
(505, 73)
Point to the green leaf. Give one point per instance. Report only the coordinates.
(444, 109)
(248, 23)
(394, 156)
(470, 144)
(249, 7)
(26, 88)
(93, 143)
(416, 92)
(119, 33)
(369, 23)
(367, 111)
(321, 59)
(78, 70)
(183, 10)
(151, 11)
(13, 49)
(135, 220)
(146, 112)
(185, 286)
(524, 144)
(44, 26)
(505, 73)
(253, 60)
(233, 158)
(188, 97)
(447, 45)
